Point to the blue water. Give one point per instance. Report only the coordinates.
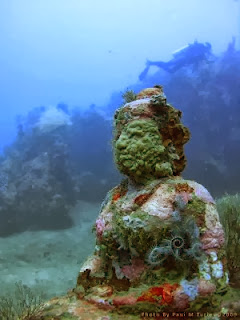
(68, 63)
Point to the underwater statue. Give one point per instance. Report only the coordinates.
(159, 241)
(190, 55)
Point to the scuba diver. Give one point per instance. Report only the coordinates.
(192, 54)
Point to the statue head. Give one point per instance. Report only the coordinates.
(149, 138)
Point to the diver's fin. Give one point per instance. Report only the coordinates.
(144, 73)
(148, 63)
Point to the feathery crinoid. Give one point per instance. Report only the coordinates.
(182, 244)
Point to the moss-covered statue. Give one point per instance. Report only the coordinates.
(159, 241)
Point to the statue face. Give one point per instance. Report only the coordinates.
(149, 138)
(140, 153)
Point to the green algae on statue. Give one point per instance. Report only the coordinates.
(149, 138)
(159, 242)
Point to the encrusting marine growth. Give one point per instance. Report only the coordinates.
(160, 244)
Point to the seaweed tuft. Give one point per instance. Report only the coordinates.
(23, 304)
(129, 96)
(229, 213)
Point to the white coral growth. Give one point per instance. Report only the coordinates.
(204, 269)
(217, 269)
(53, 118)
(190, 288)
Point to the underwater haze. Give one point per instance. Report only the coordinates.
(66, 67)
(79, 52)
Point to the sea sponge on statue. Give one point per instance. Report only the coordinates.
(149, 138)
(159, 242)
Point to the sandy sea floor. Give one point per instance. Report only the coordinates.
(48, 261)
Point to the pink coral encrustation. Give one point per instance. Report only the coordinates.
(134, 270)
(213, 238)
(100, 227)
